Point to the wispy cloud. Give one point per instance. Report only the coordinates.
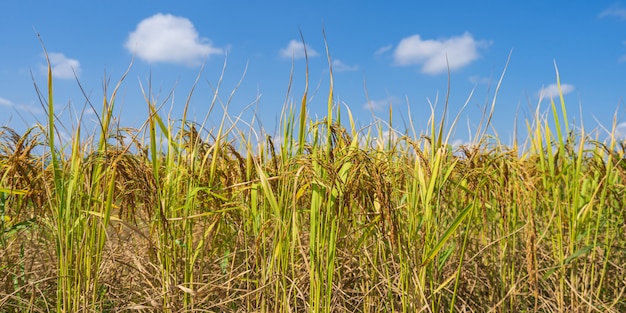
(62, 66)
(169, 39)
(434, 56)
(383, 49)
(552, 91)
(620, 131)
(20, 107)
(342, 67)
(480, 80)
(295, 49)
(380, 104)
(5, 102)
(456, 143)
(614, 11)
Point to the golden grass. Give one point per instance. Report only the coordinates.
(326, 221)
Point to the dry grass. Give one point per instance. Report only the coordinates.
(190, 219)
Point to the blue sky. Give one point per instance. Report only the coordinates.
(382, 52)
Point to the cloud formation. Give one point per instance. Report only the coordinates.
(21, 107)
(620, 131)
(169, 39)
(383, 49)
(380, 104)
(434, 56)
(295, 49)
(614, 11)
(339, 66)
(474, 79)
(552, 91)
(5, 102)
(62, 66)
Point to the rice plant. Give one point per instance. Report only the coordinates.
(180, 215)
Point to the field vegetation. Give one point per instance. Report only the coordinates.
(180, 216)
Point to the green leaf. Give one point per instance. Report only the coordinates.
(446, 236)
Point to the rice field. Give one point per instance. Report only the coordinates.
(179, 216)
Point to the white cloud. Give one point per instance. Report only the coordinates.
(342, 67)
(614, 11)
(381, 104)
(21, 107)
(295, 49)
(170, 39)
(62, 66)
(434, 56)
(383, 49)
(376, 105)
(480, 80)
(552, 91)
(456, 143)
(620, 131)
(29, 108)
(5, 102)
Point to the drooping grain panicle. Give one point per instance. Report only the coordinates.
(183, 215)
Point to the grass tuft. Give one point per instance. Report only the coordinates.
(176, 216)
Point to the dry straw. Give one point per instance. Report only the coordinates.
(182, 216)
